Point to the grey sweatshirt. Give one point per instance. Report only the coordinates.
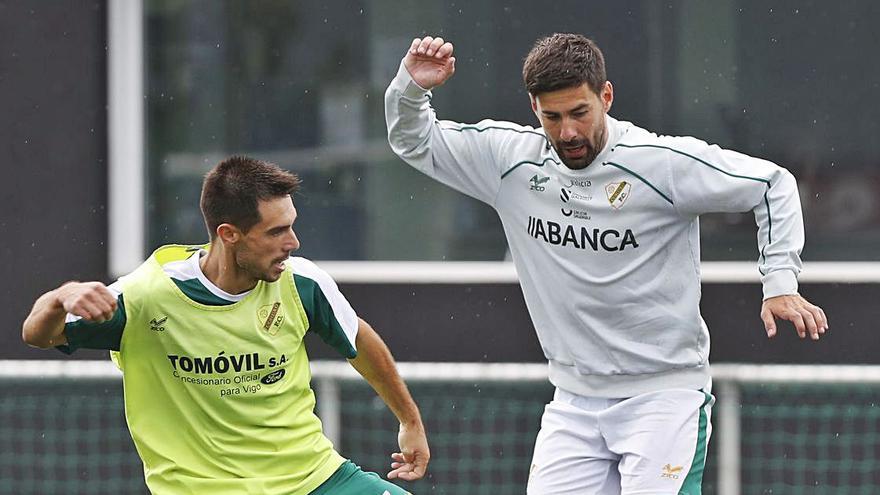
(608, 256)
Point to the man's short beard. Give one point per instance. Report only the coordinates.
(580, 163)
(591, 154)
(247, 267)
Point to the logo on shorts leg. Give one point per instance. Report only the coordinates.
(671, 472)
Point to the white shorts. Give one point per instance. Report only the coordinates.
(653, 443)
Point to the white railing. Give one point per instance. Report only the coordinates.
(327, 375)
(503, 272)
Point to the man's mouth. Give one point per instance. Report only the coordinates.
(578, 150)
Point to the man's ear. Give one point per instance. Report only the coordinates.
(534, 103)
(607, 96)
(228, 233)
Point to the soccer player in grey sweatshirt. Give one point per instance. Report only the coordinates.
(602, 219)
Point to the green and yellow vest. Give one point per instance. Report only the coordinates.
(217, 398)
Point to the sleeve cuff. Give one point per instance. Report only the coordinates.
(404, 83)
(779, 283)
(66, 349)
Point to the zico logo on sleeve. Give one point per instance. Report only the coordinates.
(537, 183)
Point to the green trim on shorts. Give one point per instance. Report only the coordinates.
(693, 483)
(349, 479)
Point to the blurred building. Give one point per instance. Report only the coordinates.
(301, 84)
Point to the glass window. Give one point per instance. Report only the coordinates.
(301, 84)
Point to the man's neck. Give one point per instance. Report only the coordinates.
(220, 268)
(603, 139)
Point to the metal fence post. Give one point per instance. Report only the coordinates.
(329, 408)
(729, 449)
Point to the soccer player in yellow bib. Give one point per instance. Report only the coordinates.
(210, 343)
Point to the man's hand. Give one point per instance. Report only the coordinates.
(44, 326)
(806, 317)
(90, 300)
(429, 61)
(412, 460)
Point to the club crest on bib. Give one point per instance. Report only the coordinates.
(271, 316)
(618, 193)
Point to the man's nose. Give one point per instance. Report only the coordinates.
(568, 131)
(293, 242)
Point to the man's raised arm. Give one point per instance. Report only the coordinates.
(427, 64)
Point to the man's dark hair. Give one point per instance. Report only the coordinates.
(232, 189)
(563, 61)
